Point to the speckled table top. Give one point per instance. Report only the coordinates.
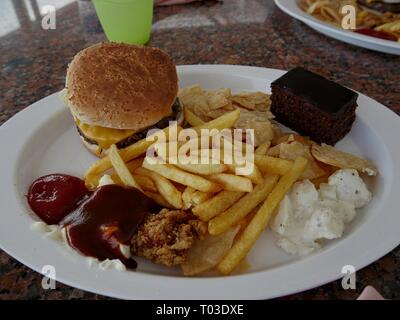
(248, 32)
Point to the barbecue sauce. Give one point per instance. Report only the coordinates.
(107, 219)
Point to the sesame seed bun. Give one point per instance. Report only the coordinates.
(121, 86)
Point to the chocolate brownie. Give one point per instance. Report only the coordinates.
(313, 105)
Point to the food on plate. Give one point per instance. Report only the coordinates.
(232, 182)
(121, 169)
(254, 113)
(381, 5)
(308, 217)
(204, 104)
(291, 149)
(53, 196)
(217, 204)
(206, 253)
(313, 106)
(238, 211)
(254, 175)
(107, 219)
(225, 121)
(376, 18)
(187, 179)
(165, 187)
(203, 168)
(263, 148)
(205, 211)
(166, 237)
(192, 197)
(118, 92)
(261, 219)
(191, 118)
(340, 159)
(128, 154)
(268, 164)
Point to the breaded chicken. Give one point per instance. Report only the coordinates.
(165, 238)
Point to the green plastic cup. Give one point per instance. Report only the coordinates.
(126, 21)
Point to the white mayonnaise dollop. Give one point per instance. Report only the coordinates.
(306, 216)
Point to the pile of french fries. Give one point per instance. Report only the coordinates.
(213, 192)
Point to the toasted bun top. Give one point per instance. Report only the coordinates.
(121, 86)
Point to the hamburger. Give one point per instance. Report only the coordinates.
(392, 6)
(118, 92)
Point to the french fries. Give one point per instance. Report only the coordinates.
(273, 165)
(121, 169)
(144, 182)
(187, 196)
(252, 232)
(164, 187)
(198, 197)
(262, 149)
(134, 164)
(192, 197)
(127, 154)
(217, 204)
(231, 182)
(243, 207)
(225, 121)
(188, 179)
(191, 118)
(255, 176)
(203, 168)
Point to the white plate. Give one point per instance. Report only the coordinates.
(42, 139)
(291, 8)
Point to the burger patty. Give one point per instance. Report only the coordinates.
(381, 6)
(163, 123)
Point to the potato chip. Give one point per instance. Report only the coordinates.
(294, 137)
(274, 151)
(195, 99)
(293, 149)
(216, 113)
(207, 253)
(252, 100)
(259, 122)
(244, 103)
(329, 155)
(278, 133)
(218, 99)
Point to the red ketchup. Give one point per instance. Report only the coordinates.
(54, 196)
(376, 34)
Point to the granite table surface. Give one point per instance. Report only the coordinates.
(248, 32)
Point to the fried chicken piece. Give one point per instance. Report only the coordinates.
(165, 238)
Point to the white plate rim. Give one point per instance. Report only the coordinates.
(291, 8)
(259, 285)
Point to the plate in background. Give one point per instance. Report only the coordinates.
(291, 8)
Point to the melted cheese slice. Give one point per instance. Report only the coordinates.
(104, 137)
